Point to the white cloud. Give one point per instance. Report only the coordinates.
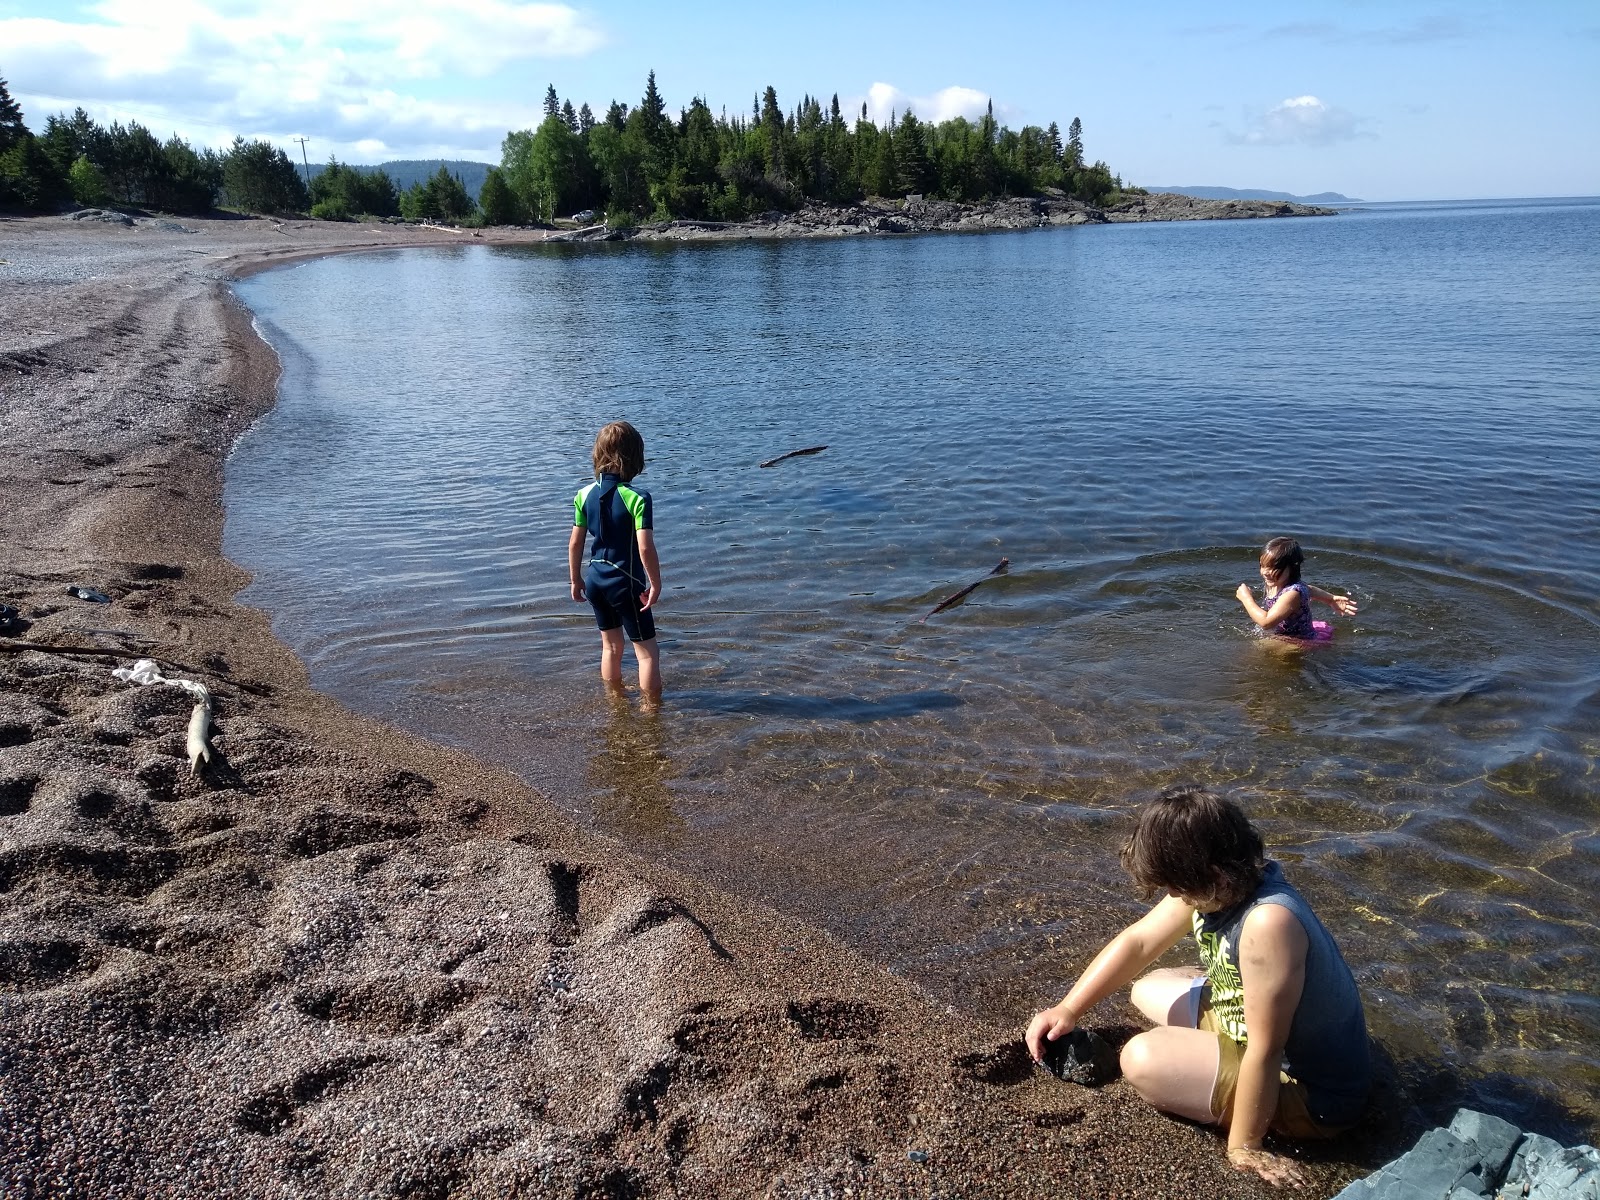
(282, 67)
(884, 100)
(1302, 120)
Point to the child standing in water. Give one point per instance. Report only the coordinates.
(622, 578)
(1269, 1033)
(1285, 606)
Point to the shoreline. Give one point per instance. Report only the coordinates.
(916, 216)
(352, 961)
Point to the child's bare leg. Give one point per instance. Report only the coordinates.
(649, 656)
(1163, 995)
(1174, 1069)
(611, 656)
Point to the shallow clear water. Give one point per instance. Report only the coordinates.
(1124, 412)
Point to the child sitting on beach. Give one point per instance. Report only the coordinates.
(622, 578)
(1285, 606)
(1270, 1034)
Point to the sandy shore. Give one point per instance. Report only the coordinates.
(348, 962)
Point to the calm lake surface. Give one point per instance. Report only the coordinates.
(1126, 413)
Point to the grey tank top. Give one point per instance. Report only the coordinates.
(1327, 1048)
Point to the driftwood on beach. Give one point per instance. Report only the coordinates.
(772, 462)
(956, 598)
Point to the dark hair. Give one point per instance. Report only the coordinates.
(1197, 845)
(619, 451)
(1282, 557)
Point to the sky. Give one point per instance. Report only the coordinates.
(1378, 99)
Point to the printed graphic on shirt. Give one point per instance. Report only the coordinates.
(1227, 988)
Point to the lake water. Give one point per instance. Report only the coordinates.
(1124, 412)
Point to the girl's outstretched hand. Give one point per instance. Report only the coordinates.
(1344, 606)
(1243, 593)
(1274, 1168)
(1047, 1026)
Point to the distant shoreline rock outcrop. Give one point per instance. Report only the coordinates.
(917, 215)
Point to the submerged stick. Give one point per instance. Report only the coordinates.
(772, 462)
(951, 601)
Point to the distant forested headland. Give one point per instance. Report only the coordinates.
(632, 164)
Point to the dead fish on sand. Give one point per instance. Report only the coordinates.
(199, 743)
(1001, 568)
(145, 672)
(772, 462)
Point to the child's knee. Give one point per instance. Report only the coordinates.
(1139, 1062)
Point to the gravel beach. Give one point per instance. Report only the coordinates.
(342, 961)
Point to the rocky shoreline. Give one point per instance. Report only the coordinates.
(348, 962)
(916, 215)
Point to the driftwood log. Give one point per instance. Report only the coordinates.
(956, 598)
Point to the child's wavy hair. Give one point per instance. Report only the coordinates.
(1196, 845)
(1282, 557)
(619, 451)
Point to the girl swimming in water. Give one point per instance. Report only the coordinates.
(1285, 606)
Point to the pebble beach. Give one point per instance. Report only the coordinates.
(343, 961)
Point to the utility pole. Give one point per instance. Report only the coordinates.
(303, 159)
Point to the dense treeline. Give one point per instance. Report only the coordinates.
(632, 164)
(644, 163)
(79, 161)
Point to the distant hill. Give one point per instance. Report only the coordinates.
(1222, 193)
(406, 171)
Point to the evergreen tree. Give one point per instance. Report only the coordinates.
(585, 119)
(12, 128)
(1075, 142)
(497, 202)
(258, 177)
(552, 102)
(28, 179)
(569, 117)
(913, 168)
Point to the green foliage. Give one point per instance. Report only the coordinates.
(442, 198)
(12, 129)
(259, 177)
(342, 192)
(333, 209)
(497, 203)
(28, 178)
(87, 184)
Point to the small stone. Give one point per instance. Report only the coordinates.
(917, 1156)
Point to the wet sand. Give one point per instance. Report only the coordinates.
(344, 961)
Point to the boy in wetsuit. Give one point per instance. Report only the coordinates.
(1269, 1033)
(622, 578)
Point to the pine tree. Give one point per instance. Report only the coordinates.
(496, 200)
(552, 102)
(585, 118)
(1075, 141)
(570, 117)
(12, 129)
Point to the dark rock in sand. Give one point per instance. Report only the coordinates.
(1082, 1057)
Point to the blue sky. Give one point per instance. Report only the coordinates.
(1392, 100)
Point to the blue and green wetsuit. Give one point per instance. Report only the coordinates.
(614, 579)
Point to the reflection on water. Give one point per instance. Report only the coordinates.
(1126, 414)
